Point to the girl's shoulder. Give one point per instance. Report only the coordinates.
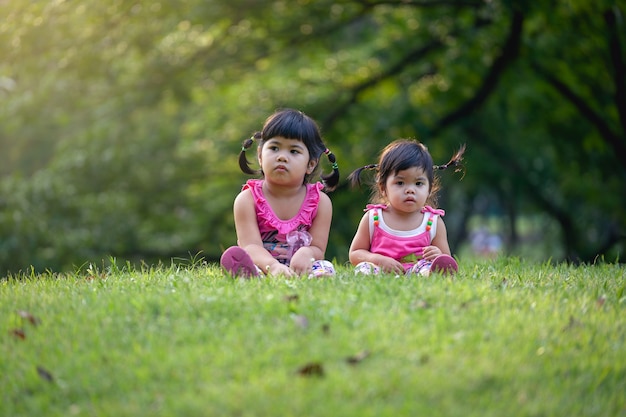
(255, 186)
(370, 207)
(324, 198)
(429, 209)
(314, 188)
(244, 201)
(314, 197)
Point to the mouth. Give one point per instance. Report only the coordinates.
(281, 168)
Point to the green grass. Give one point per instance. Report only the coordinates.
(501, 338)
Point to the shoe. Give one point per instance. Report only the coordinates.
(322, 268)
(444, 264)
(366, 268)
(238, 263)
(421, 267)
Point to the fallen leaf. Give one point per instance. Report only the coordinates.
(292, 298)
(359, 357)
(312, 369)
(29, 317)
(19, 333)
(45, 374)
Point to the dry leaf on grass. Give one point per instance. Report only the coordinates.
(311, 369)
(28, 317)
(45, 374)
(359, 357)
(18, 333)
(292, 298)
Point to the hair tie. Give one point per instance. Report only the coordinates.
(332, 159)
(247, 143)
(445, 166)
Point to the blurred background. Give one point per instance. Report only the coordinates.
(121, 121)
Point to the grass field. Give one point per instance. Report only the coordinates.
(501, 338)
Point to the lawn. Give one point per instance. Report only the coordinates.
(502, 338)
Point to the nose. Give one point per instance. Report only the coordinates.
(410, 190)
(281, 157)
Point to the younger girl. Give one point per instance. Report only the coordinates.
(401, 234)
(283, 220)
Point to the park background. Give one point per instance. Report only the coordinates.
(121, 122)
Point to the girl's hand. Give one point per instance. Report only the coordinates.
(276, 268)
(431, 252)
(302, 260)
(389, 265)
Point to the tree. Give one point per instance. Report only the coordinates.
(123, 120)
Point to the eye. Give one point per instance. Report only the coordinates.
(272, 147)
(400, 182)
(296, 151)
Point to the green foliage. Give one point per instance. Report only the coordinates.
(121, 121)
(500, 338)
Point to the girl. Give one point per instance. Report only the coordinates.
(401, 234)
(282, 220)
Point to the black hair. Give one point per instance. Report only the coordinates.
(402, 154)
(293, 124)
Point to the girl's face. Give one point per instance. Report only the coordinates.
(285, 161)
(407, 190)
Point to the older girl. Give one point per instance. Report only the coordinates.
(283, 219)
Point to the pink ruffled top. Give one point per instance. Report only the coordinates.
(273, 230)
(405, 246)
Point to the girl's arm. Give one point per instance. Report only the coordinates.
(439, 244)
(360, 250)
(249, 236)
(319, 230)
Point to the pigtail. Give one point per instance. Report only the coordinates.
(455, 161)
(331, 180)
(355, 177)
(244, 164)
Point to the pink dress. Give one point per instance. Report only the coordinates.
(278, 235)
(405, 246)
